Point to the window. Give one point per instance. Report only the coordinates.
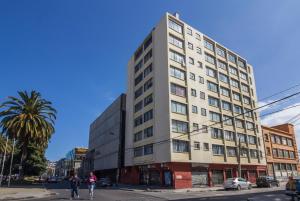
(245, 88)
(148, 149)
(138, 136)
(218, 149)
(231, 151)
(177, 57)
(285, 153)
(237, 109)
(278, 139)
(148, 84)
(180, 146)
(193, 92)
(234, 83)
(178, 90)
(138, 121)
(213, 116)
(220, 52)
(227, 120)
(177, 107)
(244, 152)
(196, 145)
(253, 153)
(204, 129)
(224, 92)
(290, 142)
(210, 72)
(138, 106)
(266, 138)
(243, 76)
(138, 79)
(241, 64)
(249, 125)
(216, 133)
(148, 43)
(226, 105)
(148, 56)
(202, 95)
(231, 58)
(148, 100)
(222, 65)
(175, 26)
(138, 66)
(292, 154)
(190, 46)
(252, 139)
(194, 109)
(201, 80)
(189, 31)
(195, 127)
(198, 37)
(229, 135)
(148, 115)
(268, 151)
(205, 146)
(138, 151)
(209, 45)
(175, 41)
(138, 92)
(179, 126)
(246, 100)
(212, 87)
(248, 113)
(192, 76)
(210, 59)
(283, 140)
(239, 123)
(199, 50)
(242, 138)
(274, 152)
(203, 111)
(223, 77)
(199, 64)
(233, 70)
(191, 61)
(148, 70)
(138, 53)
(236, 96)
(213, 101)
(177, 73)
(148, 132)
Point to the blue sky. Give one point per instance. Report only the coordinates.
(75, 52)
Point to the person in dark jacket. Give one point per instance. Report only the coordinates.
(74, 185)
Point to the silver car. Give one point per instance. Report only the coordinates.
(237, 183)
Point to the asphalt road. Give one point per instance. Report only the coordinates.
(111, 194)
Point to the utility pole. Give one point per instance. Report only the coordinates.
(3, 161)
(11, 162)
(239, 158)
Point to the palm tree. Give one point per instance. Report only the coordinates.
(28, 118)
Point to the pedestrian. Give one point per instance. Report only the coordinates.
(74, 184)
(91, 184)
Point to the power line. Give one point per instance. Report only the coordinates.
(186, 134)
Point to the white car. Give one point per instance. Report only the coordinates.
(237, 183)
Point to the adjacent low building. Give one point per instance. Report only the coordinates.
(106, 140)
(73, 161)
(281, 151)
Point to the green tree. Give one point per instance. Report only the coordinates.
(27, 118)
(36, 162)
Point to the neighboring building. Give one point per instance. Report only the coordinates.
(106, 140)
(51, 166)
(61, 168)
(281, 150)
(182, 85)
(73, 161)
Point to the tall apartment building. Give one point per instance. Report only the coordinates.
(184, 93)
(281, 150)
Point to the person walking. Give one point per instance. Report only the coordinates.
(74, 184)
(91, 184)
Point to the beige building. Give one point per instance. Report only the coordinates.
(185, 112)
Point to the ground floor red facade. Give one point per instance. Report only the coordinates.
(187, 175)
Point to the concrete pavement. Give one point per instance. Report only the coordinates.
(24, 193)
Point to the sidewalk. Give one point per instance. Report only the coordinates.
(22, 193)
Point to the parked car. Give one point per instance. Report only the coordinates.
(237, 183)
(267, 181)
(52, 180)
(104, 182)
